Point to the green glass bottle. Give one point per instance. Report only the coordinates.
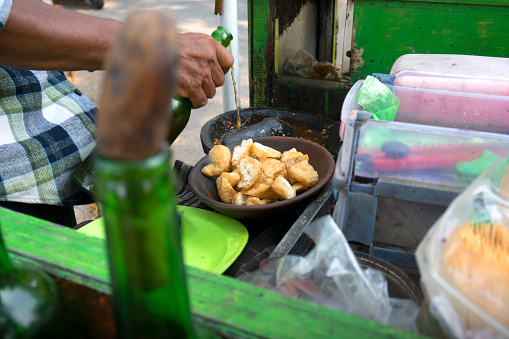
(28, 299)
(142, 231)
(181, 107)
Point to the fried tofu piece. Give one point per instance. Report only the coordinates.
(250, 171)
(286, 155)
(255, 157)
(241, 151)
(273, 168)
(239, 199)
(283, 188)
(299, 187)
(261, 189)
(256, 201)
(304, 173)
(265, 179)
(232, 177)
(220, 156)
(271, 195)
(225, 190)
(287, 177)
(291, 157)
(263, 152)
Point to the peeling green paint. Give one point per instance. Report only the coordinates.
(259, 26)
(472, 2)
(386, 30)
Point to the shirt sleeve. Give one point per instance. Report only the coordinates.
(5, 9)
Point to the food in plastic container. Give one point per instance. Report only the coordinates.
(464, 260)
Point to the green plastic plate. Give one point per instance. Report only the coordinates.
(210, 241)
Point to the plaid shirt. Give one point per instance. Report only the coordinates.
(46, 130)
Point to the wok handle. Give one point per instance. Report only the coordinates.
(140, 81)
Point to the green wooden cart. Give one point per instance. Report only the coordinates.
(362, 37)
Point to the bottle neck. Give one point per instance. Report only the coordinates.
(222, 36)
(181, 104)
(5, 263)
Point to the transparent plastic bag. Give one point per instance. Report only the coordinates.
(464, 262)
(378, 99)
(330, 275)
(305, 65)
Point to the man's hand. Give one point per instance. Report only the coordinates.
(203, 64)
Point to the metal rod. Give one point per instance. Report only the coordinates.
(229, 21)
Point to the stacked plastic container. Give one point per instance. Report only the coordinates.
(438, 129)
(451, 124)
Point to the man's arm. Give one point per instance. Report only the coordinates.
(40, 36)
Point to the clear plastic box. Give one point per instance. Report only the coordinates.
(473, 111)
(457, 83)
(394, 179)
(425, 154)
(453, 72)
(463, 261)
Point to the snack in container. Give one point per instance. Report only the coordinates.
(464, 262)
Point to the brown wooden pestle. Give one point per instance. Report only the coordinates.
(141, 77)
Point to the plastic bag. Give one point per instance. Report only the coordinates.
(378, 99)
(464, 262)
(330, 275)
(305, 65)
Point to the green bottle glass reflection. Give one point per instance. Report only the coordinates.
(28, 299)
(143, 239)
(181, 107)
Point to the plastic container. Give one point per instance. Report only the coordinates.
(473, 111)
(451, 72)
(463, 261)
(458, 83)
(453, 65)
(395, 179)
(421, 154)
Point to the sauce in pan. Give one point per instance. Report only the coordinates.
(300, 129)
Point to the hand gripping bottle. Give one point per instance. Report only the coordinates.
(181, 107)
